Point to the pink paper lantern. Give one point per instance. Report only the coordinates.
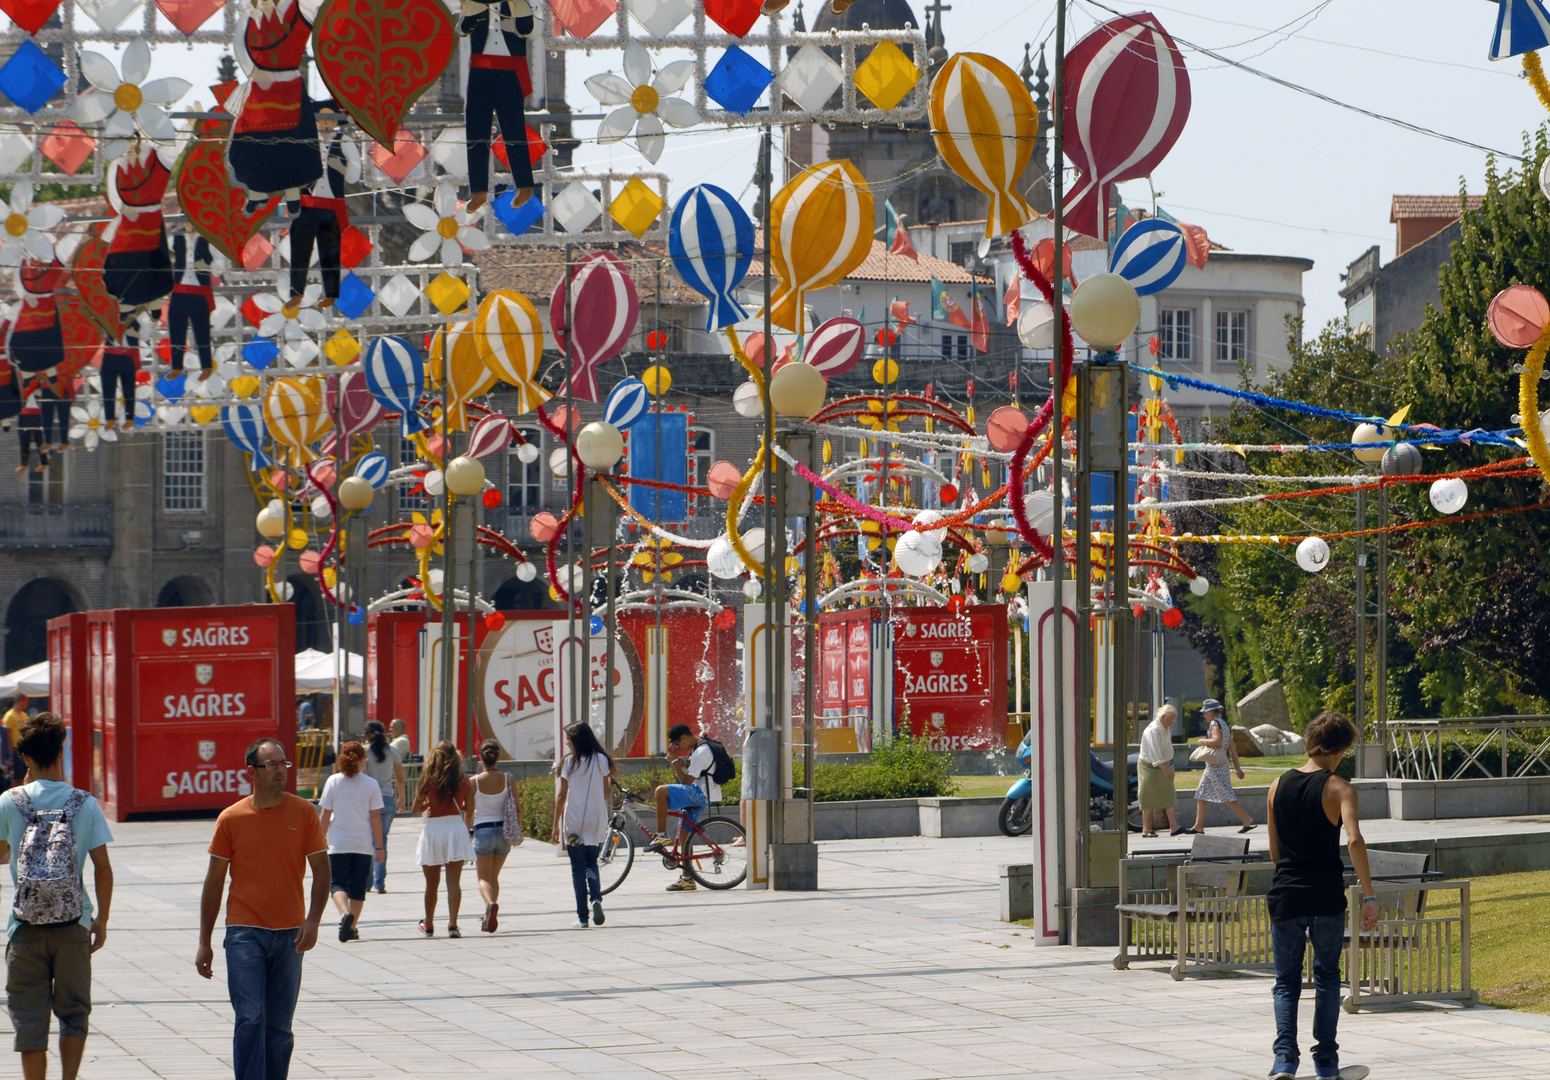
(1005, 428)
(421, 536)
(263, 556)
(543, 527)
(1517, 316)
(279, 479)
(309, 561)
(722, 479)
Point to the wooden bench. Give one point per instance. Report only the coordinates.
(1408, 955)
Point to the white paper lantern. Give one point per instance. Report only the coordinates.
(1370, 433)
(1036, 325)
(527, 453)
(753, 540)
(916, 553)
(1449, 495)
(1199, 585)
(1313, 554)
(1040, 508)
(746, 401)
(286, 591)
(979, 562)
(752, 588)
(722, 559)
(321, 510)
(270, 525)
(526, 571)
(434, 483)
(927, 518)
(599, 445)
(559, 462)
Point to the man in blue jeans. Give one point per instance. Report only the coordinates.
(266, 841)
(1307, 899)
(696, 789)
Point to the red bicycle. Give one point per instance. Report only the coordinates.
(714, 852)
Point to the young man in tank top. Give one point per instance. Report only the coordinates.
(1307, 900)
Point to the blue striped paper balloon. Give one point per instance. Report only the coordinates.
(244, 424)
(626, 404)
(1521, 26)
(1150, 255)
(395, 375)
(710, 239)
(373, 468)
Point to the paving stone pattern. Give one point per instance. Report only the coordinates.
(896, 970)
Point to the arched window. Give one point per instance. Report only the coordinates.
(26, 620)
(312, 616)
(185, 591)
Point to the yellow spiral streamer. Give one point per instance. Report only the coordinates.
(1528, 400)
(1536, 78)
(735, 503)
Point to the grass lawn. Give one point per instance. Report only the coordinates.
(1258, 772)
(979, 787)
(1510, 961)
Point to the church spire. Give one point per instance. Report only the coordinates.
(1039, 193)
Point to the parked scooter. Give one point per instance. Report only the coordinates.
(1016, 816)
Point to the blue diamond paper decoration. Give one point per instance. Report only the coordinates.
(737, 80)
(171, 386)
(260, 352)
(29, 78)
(355, 296)
(520, 219)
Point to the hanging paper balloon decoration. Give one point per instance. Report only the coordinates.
(821, 230)
(836, 346)
(395, 374)
(244, 424)
(1150, 255)
(294, 414)
(1127, 97)
(509, 339)
(605, 309)
(453, 347)
(626, 404)
(1521, 26)
(710, 239)
(984, 122)
(490, 436)
(374, 469)
(351, 405)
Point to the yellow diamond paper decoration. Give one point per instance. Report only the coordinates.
(887, 76)
(637, 207)
(203, 414)
(244, 386)
(342, 348)
(447, 293)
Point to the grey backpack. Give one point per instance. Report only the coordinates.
(48, 869)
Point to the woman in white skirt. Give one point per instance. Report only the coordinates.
(1215, 784)
(443, 796)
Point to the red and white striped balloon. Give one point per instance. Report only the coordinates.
(835, 346)
(351, 405)
(605, 309)
(490, 436)
(1127, 97)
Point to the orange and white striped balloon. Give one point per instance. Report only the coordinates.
(821, 225)
(294, 413)
(984, 123)
(509, 339)
(469, 376)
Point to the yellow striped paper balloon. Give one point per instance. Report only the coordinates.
(984, 123)
(470, 377)
(821, 223)
(294, 413)
(510, 340)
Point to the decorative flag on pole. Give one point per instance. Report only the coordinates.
(981, 328)
(1521, 26)
(1013, 301)
(900, 310)
(1123, 219)
(896, 235)
(945, 309)
(1196, 243)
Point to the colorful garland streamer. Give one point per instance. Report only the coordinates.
(735, 503)
(1025, 528)
(1534, 366)
(1536, 78)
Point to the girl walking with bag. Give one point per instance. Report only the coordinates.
(581, 816)
(385, 767)
(1215, 786)
(443, 796)
(488, 815)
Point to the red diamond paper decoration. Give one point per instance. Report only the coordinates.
(30, 15)
(257, 251)
(189, 15)
(354, 246)
(580, 18)
(536, 148)
(67, 146)
(252, 312)
(407, 153)
(164, 350)
(736, 17)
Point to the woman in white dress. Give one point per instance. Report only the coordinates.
(444, 798)
(1216, 782)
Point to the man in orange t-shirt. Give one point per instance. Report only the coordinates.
(266, 841)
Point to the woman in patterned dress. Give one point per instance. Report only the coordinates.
(1216, 782)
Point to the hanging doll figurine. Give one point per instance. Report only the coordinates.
(193, 299)
(37, 341)
(324, 217)
(274, 143)
(138, 268)
(121, 370)
(498, 83)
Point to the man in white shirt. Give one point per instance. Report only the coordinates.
(397, 739)
(1155, 766)
(695, 790)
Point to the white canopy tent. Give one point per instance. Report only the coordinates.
(32, 681)
(315, 672)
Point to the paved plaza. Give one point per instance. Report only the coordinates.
(896, 970)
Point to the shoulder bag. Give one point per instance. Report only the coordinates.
(511, 817)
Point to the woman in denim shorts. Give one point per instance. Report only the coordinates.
(490, 844)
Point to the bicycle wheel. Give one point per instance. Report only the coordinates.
(717, 856)
(615, 859)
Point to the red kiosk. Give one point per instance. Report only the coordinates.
(69, 691)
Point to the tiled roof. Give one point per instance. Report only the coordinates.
(880, 266)
(1405, 207)
(534, 272)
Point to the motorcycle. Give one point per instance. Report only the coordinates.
(1016, 816)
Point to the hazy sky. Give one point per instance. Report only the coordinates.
(1263, 168)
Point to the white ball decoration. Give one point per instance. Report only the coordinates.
(722, 560)
(559, 462)
(435, 483)
(1036, 325)
(916, 553)
(435, 580)
(1370, 433)
(979, 562)
(1040, 508)
(1199, 585)
(277, 508)
(599, 445)
(527, 453)
(270, 525)
(927, 518)
(526, 571)
(1105, 310)
(1449, 495)
(1544, 178)
(286, 591)
(1313, 554)
(321, 510)
(746, 401)
(752, 588)
(753, 540)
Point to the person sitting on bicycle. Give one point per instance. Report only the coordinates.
(694, 791)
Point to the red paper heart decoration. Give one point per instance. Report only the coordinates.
(86, 270)
(216, 208)
(189, 15)
(736, 17)
(379, 56)
(30, 15)
(83, 337)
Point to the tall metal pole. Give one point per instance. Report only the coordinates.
(772, 651)
(472, 542)
(1380, 705)
(809, 648)
(1361, 619)
(580, 674)
(447, 727)
(1057, 566)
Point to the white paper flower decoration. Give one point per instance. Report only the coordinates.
(645, 100)
(445, 228)
(88, 427)
(24, 224)
(128, 102)
(291, 326)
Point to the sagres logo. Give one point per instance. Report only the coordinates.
(543, 637)
(206, 749)
(936, 658)
(169, 638)
(204, 673)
